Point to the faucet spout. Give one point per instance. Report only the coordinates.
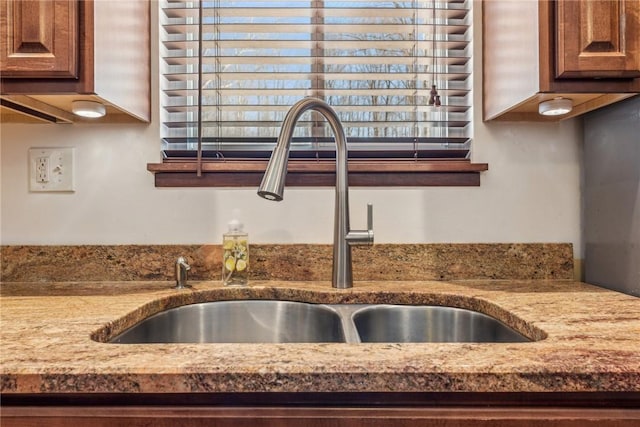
(272, 187)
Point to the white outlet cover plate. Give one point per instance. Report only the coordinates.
(60, 171)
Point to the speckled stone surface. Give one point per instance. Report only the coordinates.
(289, 262)
(588, 340)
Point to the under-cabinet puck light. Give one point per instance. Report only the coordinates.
(555, 107)
(90, 109)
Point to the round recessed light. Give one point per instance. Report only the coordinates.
(89, 109)
(555, 107)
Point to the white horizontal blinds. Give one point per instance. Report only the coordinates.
(373, 61)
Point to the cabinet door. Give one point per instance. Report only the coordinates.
(39, 38)
(598, 38)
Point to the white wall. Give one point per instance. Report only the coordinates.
(531, 192)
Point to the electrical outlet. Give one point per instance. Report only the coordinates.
(42, 170)
(51, 169)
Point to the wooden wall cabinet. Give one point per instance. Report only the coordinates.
(40, 38)
(598, 38)
(587, 51)
(55, 52)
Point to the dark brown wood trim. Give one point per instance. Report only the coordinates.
(297, 179)
(236, 173)
(603, 399)
(323, 166)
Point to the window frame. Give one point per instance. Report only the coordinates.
(383, 172)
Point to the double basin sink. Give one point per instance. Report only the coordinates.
(273, 321)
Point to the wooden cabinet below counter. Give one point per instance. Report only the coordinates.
(377, 409)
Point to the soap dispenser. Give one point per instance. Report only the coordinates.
(235, 255)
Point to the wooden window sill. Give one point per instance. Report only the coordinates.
(310, 173)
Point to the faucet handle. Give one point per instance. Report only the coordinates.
(181, 273)
(362, 237)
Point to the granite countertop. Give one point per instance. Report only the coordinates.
(588, 340)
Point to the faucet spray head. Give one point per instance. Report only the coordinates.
(272, 186)
(270, 196)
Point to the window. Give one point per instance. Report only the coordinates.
(377, 63)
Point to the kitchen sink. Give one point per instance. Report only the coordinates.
(250, 321)
(272, 321)
(387, 323)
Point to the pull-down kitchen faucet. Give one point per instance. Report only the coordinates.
(272, 187)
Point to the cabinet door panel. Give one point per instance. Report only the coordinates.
(39, 38)
(598, 38)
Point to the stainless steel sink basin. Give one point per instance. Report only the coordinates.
(238, 322)
(386, 323)
(267, 321)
